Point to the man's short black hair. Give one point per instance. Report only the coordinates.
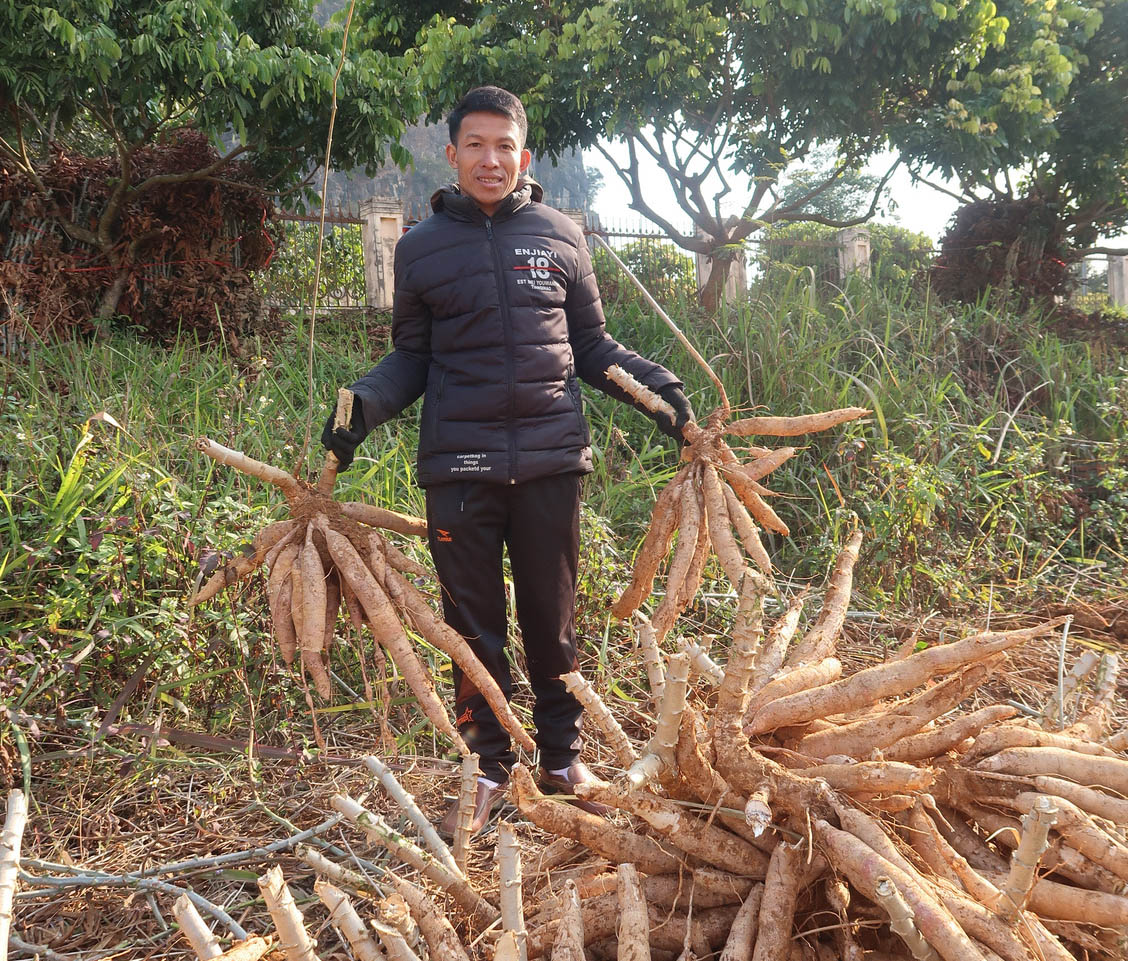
(488, 100)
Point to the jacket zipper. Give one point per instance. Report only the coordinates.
(510, 376)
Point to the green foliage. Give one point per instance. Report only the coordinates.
(1054, 113)
(896, 253)
(669, 275)
(289, 278)
(704, 91)
(992, 470)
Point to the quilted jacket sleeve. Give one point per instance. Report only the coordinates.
(594, 349)
(401, 376)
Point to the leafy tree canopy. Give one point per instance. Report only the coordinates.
(723, 94)
(110, 78)
(1071, 155)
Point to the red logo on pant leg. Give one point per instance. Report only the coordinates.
(443, 537)
(464, 718)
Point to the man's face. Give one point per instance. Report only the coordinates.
(489, 157)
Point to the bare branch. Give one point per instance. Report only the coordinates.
(964, 198)
(202, 174)
(630, 179)
(1107, 251)
(789, 215)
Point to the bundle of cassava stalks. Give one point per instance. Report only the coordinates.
(328, 555)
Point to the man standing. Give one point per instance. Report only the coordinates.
(496, 314)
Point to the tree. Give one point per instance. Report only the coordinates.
(254, 76)
(1041, 187)
(723, 95)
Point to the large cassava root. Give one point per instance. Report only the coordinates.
(714, 502)
(327, 555)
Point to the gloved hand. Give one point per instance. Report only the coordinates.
(673, 395)
(344, 441)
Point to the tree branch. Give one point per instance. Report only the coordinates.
(964, 198)
(789, 215)
(630, 178)
(1107, 251)
(202, 174)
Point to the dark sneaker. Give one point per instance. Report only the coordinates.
(565, 783)
(487, 799)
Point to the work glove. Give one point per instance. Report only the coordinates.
(673, 395)
(344, 440)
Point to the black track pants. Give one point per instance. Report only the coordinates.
(539, 523)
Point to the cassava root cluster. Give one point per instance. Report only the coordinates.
(327, 556)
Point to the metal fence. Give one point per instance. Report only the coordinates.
(287, 282)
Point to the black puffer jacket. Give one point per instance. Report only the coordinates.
(494, 317)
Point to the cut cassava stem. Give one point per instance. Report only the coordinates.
(439, 934)
(11, 840)
(341, 418)
(1082, 833)
(901, 920)
(864, 867)
(192, 926)
(602, 717)
(406, 803)
(335, 872)
(651, 655)
(285, 482)
(343, 916)
(700, 661)
(379, 831)
(394, 943)
(661, 750)
(294, 941)
(467, 794)
(640, 393)
(509, 877)
(1024, 861)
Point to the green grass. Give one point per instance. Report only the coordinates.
(994, 466)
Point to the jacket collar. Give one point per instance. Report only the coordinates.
(453, 202)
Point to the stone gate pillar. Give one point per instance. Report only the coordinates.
(853, 252)
(382, 227)
(1118, 281)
